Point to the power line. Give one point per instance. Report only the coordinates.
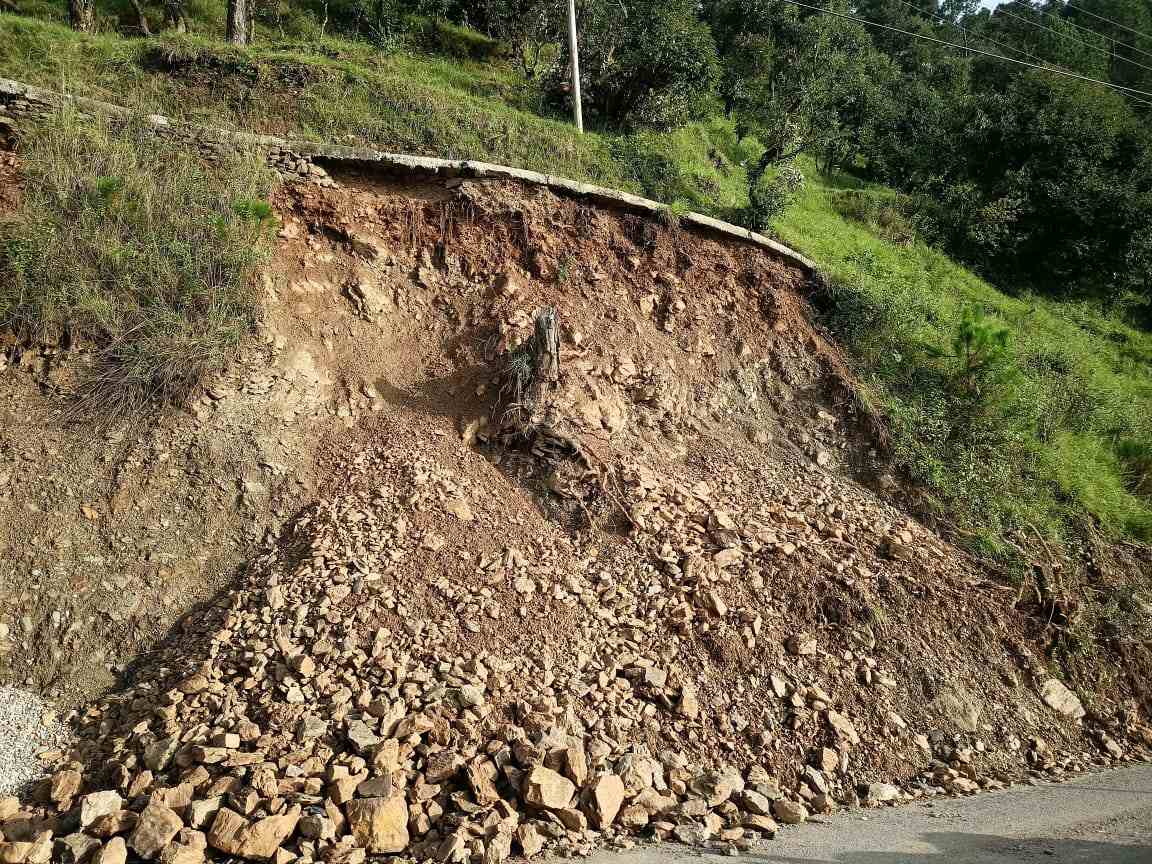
(1064, 20)
(1000, 10)
(1054, 70)
(964, 29)
(1108, 20)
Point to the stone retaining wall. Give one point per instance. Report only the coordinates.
(23, 106)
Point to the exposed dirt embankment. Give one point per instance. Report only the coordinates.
(535, 597)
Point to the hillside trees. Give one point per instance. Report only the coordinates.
(646, 62)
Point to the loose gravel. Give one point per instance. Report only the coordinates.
(27, 727)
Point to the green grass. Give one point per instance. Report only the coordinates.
(351, 92)
(336, 91)
(1069, 424)
(138, 252)
(1062, 433)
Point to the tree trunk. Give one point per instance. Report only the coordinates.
(141, 18)
(82, 15)
(238, 22)
(174, 16)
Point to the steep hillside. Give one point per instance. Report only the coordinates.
(1064, 425)
(548, 595)
(462, 519)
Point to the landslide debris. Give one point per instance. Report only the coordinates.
(654, 609)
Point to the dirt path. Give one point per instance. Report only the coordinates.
(1103, 818)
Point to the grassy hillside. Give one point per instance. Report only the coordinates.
(1048, 436)
(350, 92)
(1065, 426)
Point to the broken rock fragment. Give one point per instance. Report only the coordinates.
(380, 825)
(544, 788)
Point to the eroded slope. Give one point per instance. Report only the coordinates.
(660, 608)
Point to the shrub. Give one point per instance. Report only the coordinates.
(889, 216)
(770, 194)
(644, 62)
(452, 40)
(136, 250)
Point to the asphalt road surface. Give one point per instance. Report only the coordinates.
(1103, 818)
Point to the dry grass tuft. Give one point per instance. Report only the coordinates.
(137, 251)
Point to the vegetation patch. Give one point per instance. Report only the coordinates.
(1013, 415)
(137, 250)
(452, 40)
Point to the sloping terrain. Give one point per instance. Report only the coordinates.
(537, 598)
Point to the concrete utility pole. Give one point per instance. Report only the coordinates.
(574, 52)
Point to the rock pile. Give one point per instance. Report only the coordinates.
(673, 628)
(342, 704)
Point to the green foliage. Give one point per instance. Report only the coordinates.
(646, 62)
(339, 91)
(701, 164)
(980, 349)
(1011, 412)
(137, 251)
(452, 40)
(887, 214)
(769, 195)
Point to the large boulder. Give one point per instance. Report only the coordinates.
(234, 835)
(606, 800)
(547, 790)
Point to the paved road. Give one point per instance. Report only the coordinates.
(1103, 818)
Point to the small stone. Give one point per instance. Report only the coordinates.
(607, 797)
(756, 803)
(310, 728)
(498, 848)
(691, 834)
(97, 804)
(789, 812)
(111, 824)
(64, 786)
(530, 840)
(115, 851)
(470, 696)
(756, 822)
(802, 645)
(827, 760)
(881, 792)
(201, 813)
(73, 849)
(232, 834)
(459, 508)
(1059, 698)
(380, 825)
(689, 705)
(158, 756)
(157, 826)
(14, 852)
(442, 766)
(361, 736)
(844, 727)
